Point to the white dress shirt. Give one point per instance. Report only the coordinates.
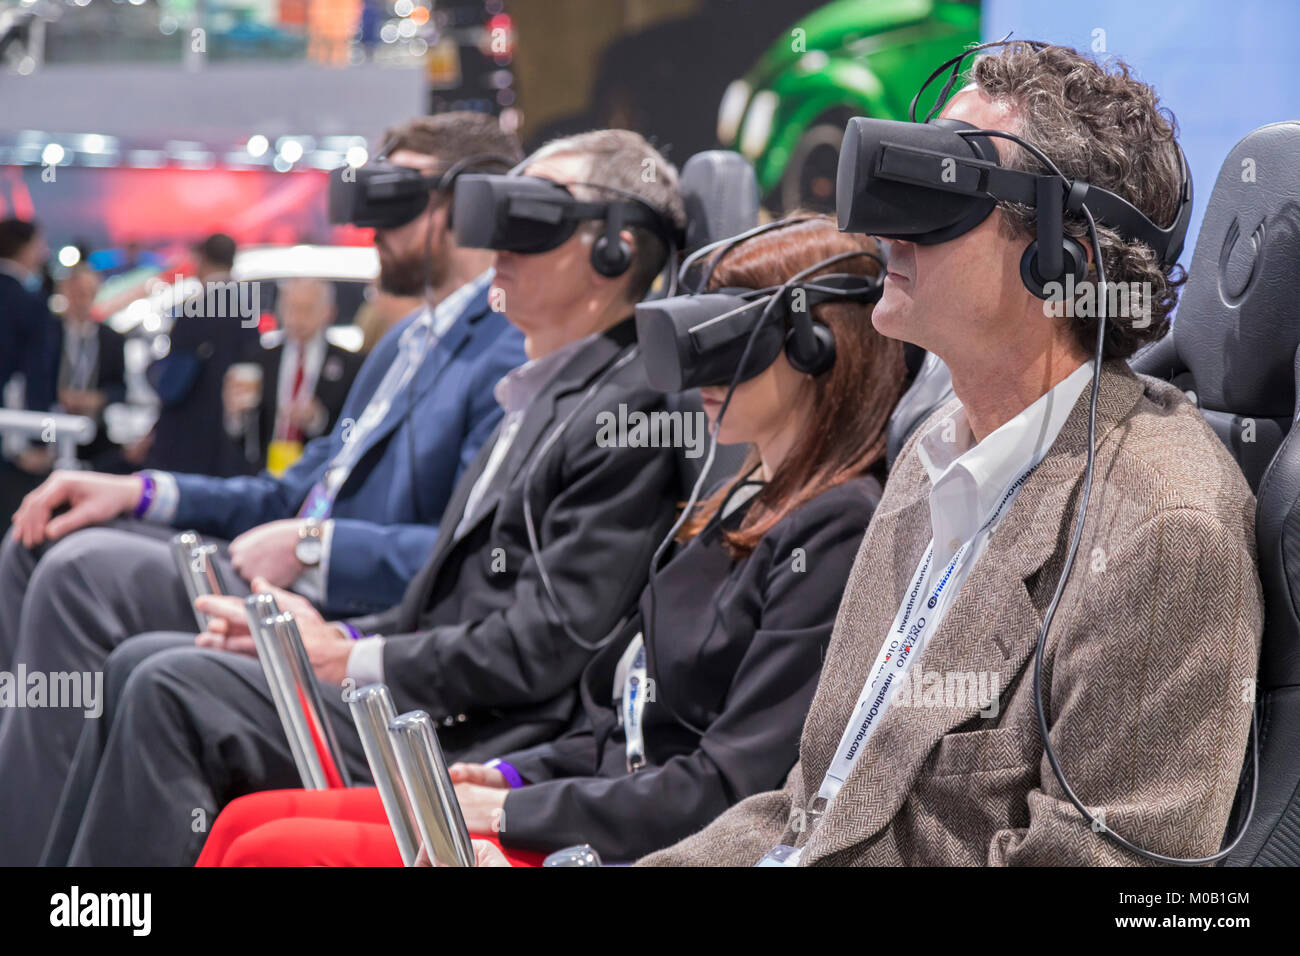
(972, 487)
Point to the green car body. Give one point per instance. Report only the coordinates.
(849, 58)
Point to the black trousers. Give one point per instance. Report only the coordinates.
(191, 730)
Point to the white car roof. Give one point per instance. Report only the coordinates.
(360, 263)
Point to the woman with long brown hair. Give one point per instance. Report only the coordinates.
(698, 701)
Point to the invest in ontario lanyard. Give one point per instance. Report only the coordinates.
(907, 640)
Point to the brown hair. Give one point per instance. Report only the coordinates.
(1105, 127)
(452, 137)
(851, 403)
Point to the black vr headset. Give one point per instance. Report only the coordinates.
(731, 335)
(933, 181)
(382, 195)
(528, 214)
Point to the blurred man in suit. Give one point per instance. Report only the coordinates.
(493, 633)
(210, 333)
(28, 346)
(301, 384)
(92, 367)
(349, 525)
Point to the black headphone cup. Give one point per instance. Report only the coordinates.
(823, 354)
(611, 257)
(1074, 261)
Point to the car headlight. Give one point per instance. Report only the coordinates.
(732, 110)
(758, 124)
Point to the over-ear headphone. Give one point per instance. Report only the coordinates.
(611, 254)
(809, 345)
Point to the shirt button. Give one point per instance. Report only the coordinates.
(953, 545)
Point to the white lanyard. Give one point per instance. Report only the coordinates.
(630, 693)
(905, 644)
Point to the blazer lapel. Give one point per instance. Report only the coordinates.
(427, 375)
(576, 374)
(991, 628)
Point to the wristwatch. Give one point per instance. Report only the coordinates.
(309, 548)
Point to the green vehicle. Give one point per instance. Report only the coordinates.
(849, 58)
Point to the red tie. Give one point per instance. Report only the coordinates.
(292, 433)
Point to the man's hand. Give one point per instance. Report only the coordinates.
(91, 499)
(482, 806)
(267, 551)
(76, 401)
(36, 460)
(238, 395)
(308, 415)
(476, 773)
(327, 648)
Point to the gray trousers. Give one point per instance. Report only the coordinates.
(192, 729)
(63, 609)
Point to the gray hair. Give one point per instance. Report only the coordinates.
(328, 294)
(625, 162)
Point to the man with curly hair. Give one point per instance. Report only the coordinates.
(1152, 650)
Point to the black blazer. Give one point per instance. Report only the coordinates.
(28, 343)
(475, 641)
(736, 651)
(338, 370)
(110, 378)
(188, 380)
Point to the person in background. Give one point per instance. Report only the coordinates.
(92, 368)
(189, 378)
(299, 384)
(28, 347)
(378, 313)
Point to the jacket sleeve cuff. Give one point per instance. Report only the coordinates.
(366, 662)
(160, 507)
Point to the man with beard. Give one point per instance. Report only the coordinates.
(346, 527)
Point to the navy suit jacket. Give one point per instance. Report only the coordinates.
(387, 512)
(28, 343)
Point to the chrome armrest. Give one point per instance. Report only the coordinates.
(197, 569)
(296, 694)
(429, 788)
(372, 710)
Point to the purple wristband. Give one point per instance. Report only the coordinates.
(509, 772)
(352, 631)
(146, 497)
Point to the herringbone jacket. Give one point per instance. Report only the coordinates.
(1147, 679)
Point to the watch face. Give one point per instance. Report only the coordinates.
(308, 551)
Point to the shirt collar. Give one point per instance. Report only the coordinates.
(11, 268)
(969, 479)
(454, 304)
(517, 389)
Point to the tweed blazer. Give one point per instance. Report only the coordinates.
(1147, 676)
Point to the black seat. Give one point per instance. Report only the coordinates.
(720, 193)
(1234, 347)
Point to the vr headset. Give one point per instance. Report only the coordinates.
(732, 335)
(933, 181)
(382, 195)
(527, 214)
